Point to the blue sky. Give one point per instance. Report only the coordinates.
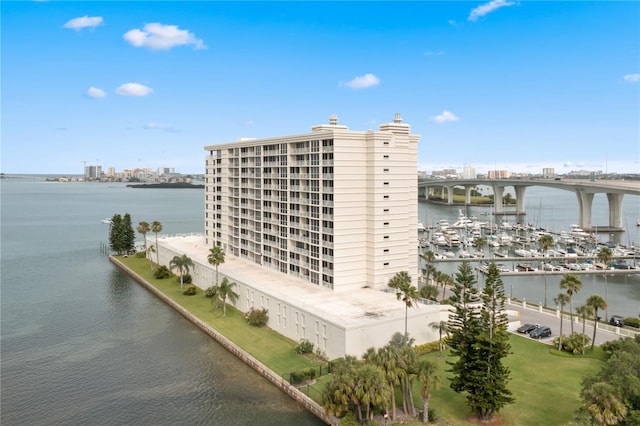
(499, 84)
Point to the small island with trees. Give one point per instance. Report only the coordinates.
(181, 185)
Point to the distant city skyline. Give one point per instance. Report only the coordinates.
(498, 85)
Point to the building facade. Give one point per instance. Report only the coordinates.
(334, 207)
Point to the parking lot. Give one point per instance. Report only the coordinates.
(531, 316)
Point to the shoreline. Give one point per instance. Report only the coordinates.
(290, 390)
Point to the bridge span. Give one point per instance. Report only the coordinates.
(584, 190)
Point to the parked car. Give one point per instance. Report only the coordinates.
(527, 328)
(540, 332)
(616, 320)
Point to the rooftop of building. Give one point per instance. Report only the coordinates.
(348, 308)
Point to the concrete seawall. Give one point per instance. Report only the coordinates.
(262, 369)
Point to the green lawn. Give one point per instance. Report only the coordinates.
(546, 386)
(271, 348)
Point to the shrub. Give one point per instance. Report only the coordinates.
(426, 348)
(141, 255)
(190, 291)
(304, 347)
(303, 375)
(431, 415)
(632, 322)
(211, 292)
(162, 272)
(186, 279)
(257, 317)
(574, 344)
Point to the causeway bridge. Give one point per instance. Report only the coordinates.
(584, 190)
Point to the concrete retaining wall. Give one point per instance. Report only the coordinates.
(274, 378)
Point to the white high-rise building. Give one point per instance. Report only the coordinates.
(468, 172)
(334, 207)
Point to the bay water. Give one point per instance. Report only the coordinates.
(82, 343)
(556, 210)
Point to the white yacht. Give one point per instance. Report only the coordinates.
(421, 227)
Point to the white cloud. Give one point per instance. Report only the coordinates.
(94, 92)
(487, 8)
(567, 164)
(362, 82)
(438, 53)
(162, 37)
(133, 89)
(84, 22)
(445, 117)
(632, 78)
(159, 126)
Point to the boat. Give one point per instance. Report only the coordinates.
(452, 238)
(421, 227)
(449, 254)
(106, 220)
(522, 253)
(439, 239)
(638, 222)
(524, 267)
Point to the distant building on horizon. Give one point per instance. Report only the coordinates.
(499, 174)
(469, 172)
(548, 173)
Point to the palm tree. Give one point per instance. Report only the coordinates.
(182, 264)
(596, 302)
(156, 227)
(480, 243)
(388, 359)
(584, 311)
(603, 405)
(225, 292)
(572, 284)
(441, 327)
(401, 283)
(143, 228)
(430, 292)
(545, 242)
(446, 280)
(427, 373)
(428, 272)
(151, 249)
(604, 255)
(561, 301)
(216, 258)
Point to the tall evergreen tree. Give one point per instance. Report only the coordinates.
(479, 339)
(128, 234)
(464, 327)
(115, 234)
(492, 347)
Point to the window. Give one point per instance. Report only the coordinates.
(385, 170)
(386, 263)
(386, 237)
(386, 210)
(386, 224)
(386, 250)
(386, 197)
(386, 157)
